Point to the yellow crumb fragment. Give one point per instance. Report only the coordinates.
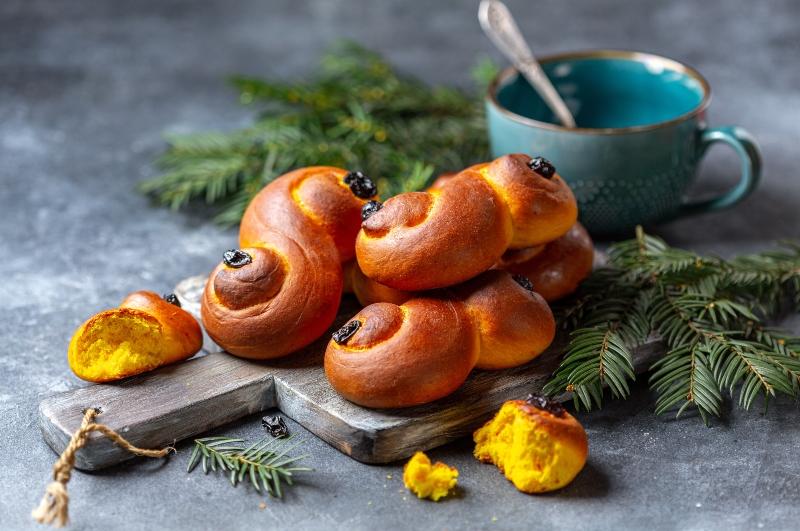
(426, 480)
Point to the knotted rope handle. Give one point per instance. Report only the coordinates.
(53, 509)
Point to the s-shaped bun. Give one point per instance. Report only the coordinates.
(281, 290)
(462, 225)
(391, 355)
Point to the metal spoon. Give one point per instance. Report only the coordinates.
(499, 26)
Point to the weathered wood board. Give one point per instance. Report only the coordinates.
(187, 399)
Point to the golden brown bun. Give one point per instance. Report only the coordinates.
(515, 324)
(537, 450)
(403, 355)
(424, 348)
(143, 333)
(542, 208)
(297, 233)
(557, 268)
(426, 240)
(306, 205)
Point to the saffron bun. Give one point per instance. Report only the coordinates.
(399, 355)
(535, 443)
(463, 224)
(557, 268)
(281, 290)
(142, 334)
(515, 324)
(403, 355)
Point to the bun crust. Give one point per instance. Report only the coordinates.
(515, 324)
(557, 268)
(463, 224)
(402, 244)
(423, 349)
(405, 355)
(368, 291)
(178, 325)
(297, 233)
(542, 208)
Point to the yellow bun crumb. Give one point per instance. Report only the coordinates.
(426, 480)
(538, 451)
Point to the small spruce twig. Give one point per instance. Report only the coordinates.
(265, 463)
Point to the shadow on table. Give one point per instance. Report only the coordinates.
(592, 482)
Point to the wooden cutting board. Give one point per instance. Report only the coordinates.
(214, 388)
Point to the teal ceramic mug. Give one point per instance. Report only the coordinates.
(641, 133)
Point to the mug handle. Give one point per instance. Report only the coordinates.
(745, 146)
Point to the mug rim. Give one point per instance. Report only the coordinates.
(641, 57)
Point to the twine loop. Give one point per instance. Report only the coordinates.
(53, 509)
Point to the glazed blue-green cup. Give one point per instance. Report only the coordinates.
(641, 131)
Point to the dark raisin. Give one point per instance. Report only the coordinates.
(370, 208)
(523, 281)
(544, 403)
(361, 185)
(275, 426)
(172, 299)
(542, 166)
(236, 258)
(346, 332)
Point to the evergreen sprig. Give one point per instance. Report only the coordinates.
(357, 112)
(265, 463)
(710, 313)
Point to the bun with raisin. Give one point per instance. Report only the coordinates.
(391, 355)
(463, 224)
(281, 290)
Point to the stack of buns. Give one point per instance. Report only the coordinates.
(453, 278)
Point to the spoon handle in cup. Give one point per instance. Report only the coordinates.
(500, 27)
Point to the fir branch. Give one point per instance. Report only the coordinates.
(357, 112)
(265, 463)
(596, 356)
(710, 313)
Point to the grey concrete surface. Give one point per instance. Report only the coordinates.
(88, 87)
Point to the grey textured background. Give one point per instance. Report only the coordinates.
(87, 88)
